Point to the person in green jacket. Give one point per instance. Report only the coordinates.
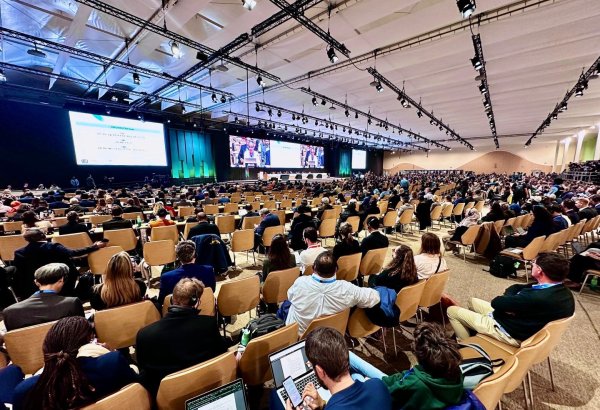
(436, 382)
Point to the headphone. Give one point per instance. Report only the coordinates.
(193, 300)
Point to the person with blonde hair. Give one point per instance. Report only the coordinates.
(119, 286)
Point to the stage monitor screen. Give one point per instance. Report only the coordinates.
(263, 153)
(104, 140)
(359, 159)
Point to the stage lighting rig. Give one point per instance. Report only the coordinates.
(466, 7)
(484, 88)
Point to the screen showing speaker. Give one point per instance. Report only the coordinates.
(359, 159)
(262, 153)
(104, 140)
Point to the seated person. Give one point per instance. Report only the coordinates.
(582, 262)
(279, 257)
(325, 205)
(400, 272)
(162, 219)
(74, 206)
(132, 207)
(374, 239)
(267, 220)
(429, 260)
(248, 211)
(73, 225)
(300, 222)
(542, 226)
(77, 370)
(313, 247)
(347, 244)
(30, 220)
(471, 218)
(118, 286)
(204, 227)
(117, 221)
(321, 294)
(523, 309)
(180, 339)
(186, 255)
(46, 304)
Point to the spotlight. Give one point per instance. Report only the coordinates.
(466, 7)
(486, 104)
(279, 113)
(379, 87)
(403, 101)
(260, 81)
(419, 114)
(432, 122)
(356, 115)
(201, 56)
(331, 54)
(2, 76)
(323, 102)
(369, 121)
(316, 123)
(213, 97)
(314, 100)
(114, 98)
(482, 88)
(136, 79)
(270, 112)
(175, 50)
(223, 99)
(580, 88)
(563, 107)
(183, 109)
(257, 107)
(249, 4)
(35, 52)
(477, 65)
(347, 113)
(293, 117)
(440, 128)
(555, 116)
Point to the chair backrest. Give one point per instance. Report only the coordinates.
(458, 208)
(276, 285)
(447, 210)
(359, 324)
(73, 240)
(519, 221)
(436, 213)
(270, 204)
(9, 244)
(231, 208)
(348, 267)
(434, 287)
(211, 209)
(178, 387)
(530, 252)
(238, 296)
(280, 214)
(183, 211)
(498, 226)
(255, 205)
(355, 222)
(372, 262)
(389, 220)
(160, 233)
(132, 396)
(491, 389)
(285, 204)
(468, 206)
(254, 366)
(125, 238)
(479, 206)
(526, 355)
(207, 305)
(242, 240)
(308, 270)
(551, 242)
(328, 214)
(510, 221)
(327, 227)
(159, 252)
(99, 219)
(225, 223)
(24, 346)
(58, 222)
(187, 227)
(468, 238)
(337, 321)
(133, 216)
(406, 216)
(408, 300)
(98, 260)
(12, 226)
(555, 330)
(270, 232)
(118, 327)
(250, 221)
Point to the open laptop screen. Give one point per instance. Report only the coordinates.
(231, 396)
(289, 362)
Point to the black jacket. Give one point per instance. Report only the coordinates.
(70, 228)
(179, 340)
(299, 223)
(344, 248)
(204, 228)
(375, 240)
(116, 223)
(41, 308)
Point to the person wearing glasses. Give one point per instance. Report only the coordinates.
(523, 310)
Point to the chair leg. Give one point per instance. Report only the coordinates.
(584, 282)
(525, 394)
(551, 374)
(383, 338)
(394, 340)
(530, 389)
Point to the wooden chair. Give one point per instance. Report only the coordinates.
(226, 224)
(73, 240)
(15, 227)
(184, 211)
(447, 212)
(285, 204)
(408, 300)
(98, 260)
(254, 366)
(372, 262)
(328, 214)
(9, 244)
(366, 221)
(207, 305)
(468, 206)
(389, 220)
(457, 211)
(99, 219)
(243, 241)
(58, 222)
(467, 239)
(133, 216)
(63, 211)
(354, 221)
(490, 390)
(405, 219)
(337, 321)
(436, 216)
(432, 292)
(360, 326)
(238, 296)
(178, 387)
(118, 327)
(133, 396)
(211, 209)
(125, 238)
(276, 285)
(161, 233)
(308, 270)
(157, 253)
(269, 233)
(270, 204)
(255, 205)
(250, 221)
(327, 228)
(24, 346)
(498, 226)
(527, 254)
(348, 267)
(187, 227)
(281, 215)
(479, 206)
(231, 208)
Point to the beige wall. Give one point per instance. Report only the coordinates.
(539, 156)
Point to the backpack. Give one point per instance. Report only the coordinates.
(503, 267)
(476, 369)
(265, 324)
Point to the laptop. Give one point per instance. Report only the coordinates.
(231, 396)
(292, 362)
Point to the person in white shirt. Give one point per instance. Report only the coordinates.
(430, 261)
(321, 294)
(314, 248)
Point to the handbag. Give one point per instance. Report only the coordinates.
(476, 369)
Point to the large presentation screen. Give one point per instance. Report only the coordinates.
(104, 140)
(359, 159)
(261, 153)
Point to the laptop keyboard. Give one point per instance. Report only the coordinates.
(301, 384)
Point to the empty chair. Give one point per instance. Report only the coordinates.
(98, 260)
(285, 204)
(238, 296)
(13, 226)
(133, 216)
(408, 300)
(270, 204)
(354, 221)
(281, 215)
(269, 233)
(243, 241)
(58, 222)
(132, 396)
(160, 233)
(157, 253)
(99, 219)
(467, 239)
(74, 240)
(211, 209)
(432, 293)
(276, 285)
(184, 211)
(9, 244)
(337, 321)
(187, 227)
(457, 211)
(389, 220)
(405, 219)
(118, 327)
(328, 214)
(348, 267)
(226, 224)
(231, 208)
(177, 387)
(24, 346)
(125, 238)
(327, 228)
(372, 262)
(436, 216)
(447, 212)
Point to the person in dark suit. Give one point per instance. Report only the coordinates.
(204, 227)
(268, 220)
(46, 304)
(585, 210)
(131, 206)
(180, 339)
(38, 253)
(117, 221)
(86, 202)
(73, 225)
(74, 206)
(423, 212)
(375, 239)
(299, 223)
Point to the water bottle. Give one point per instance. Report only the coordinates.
(139, 221)
(594, 283)
(245, 337)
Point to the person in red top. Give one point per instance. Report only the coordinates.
(162, 219)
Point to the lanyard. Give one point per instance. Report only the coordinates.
(318, 279)
(44, 291)
(543, 285)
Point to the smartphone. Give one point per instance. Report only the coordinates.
(104, 240)
(292, 392)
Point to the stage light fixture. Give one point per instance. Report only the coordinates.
(482, 88)
(249, 4)
(323, 102)
(316, 123)
(580, 88)
(214, 99)
(555, 116)
(2, 76)
(333, 58)
(486, 103)
(563, 107)
(270, 112)
(432, 122)
(257, 107)
(260, 81)
(35, 52)
(466, 7)
(356, 115)
(293, 117)
(419, 114)
(201, 56)
(136, 79)
(314, 100)
(223, 99)
(279, 113)
(114, 98)
(441, 128)
(175, 50)
(477, 65)
(347, 113)
(379, 87)
(369, 121)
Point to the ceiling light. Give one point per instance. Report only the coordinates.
(432, 122)
(563, 107)
(214, 99)
(201, 56)
(279, 113)
(332, 107)
(183, 111)
(419, 114)
(331, 54)
(136, 79)
(356, 115)
(175, 50)
(466, 7)
(379, 87)
(114, 98)
(223, 99)
(260, 81)
(314, 100)
(257, 107)
(323, 102)
(476, 63)
(35, 52)
(222, 67)
(270, 112)
(555, 116)
(482, 88)
(2, 76)
(249, 4)
(582, 86)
